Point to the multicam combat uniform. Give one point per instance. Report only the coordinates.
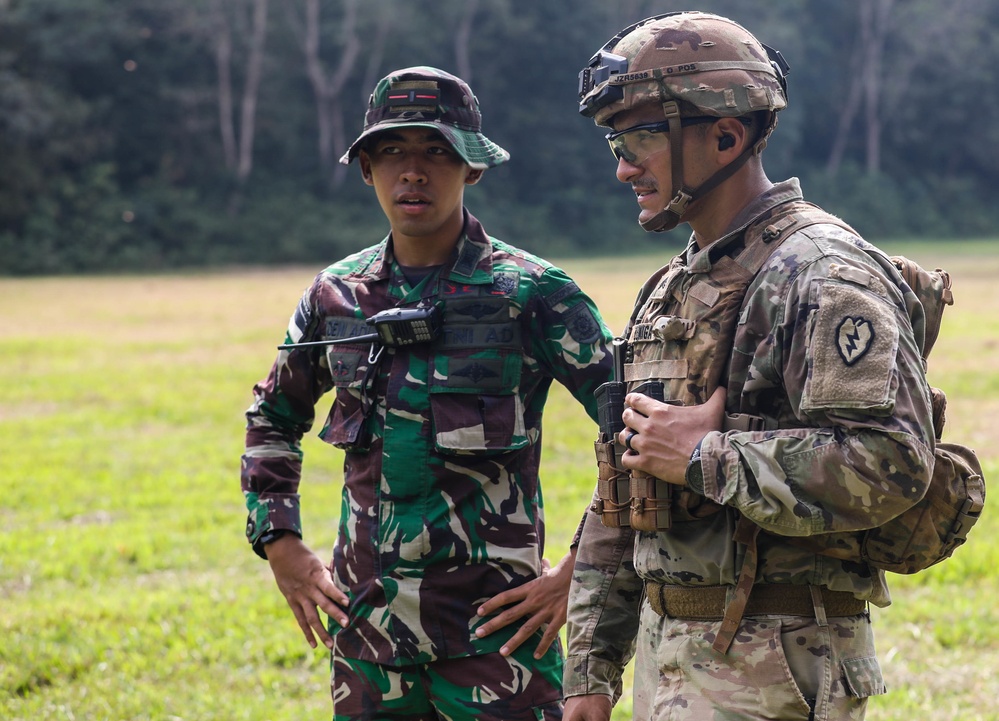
(442, 506)
(826, 359)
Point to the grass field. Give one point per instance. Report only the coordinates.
(127, 590)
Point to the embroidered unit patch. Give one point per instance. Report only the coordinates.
(854, 337)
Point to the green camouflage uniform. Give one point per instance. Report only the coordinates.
(825, 354)
(442, 506)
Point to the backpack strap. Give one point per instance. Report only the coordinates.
(785, 221)
(758, 242)
(761, 240)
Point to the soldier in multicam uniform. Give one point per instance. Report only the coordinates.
(440, 601)
(799, 409)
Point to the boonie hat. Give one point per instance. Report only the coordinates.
(425, 97)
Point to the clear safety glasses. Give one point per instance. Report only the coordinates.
(637, 143)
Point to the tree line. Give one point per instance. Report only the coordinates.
(156, 134)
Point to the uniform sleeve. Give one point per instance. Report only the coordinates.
(855, 446)
(570, 337)
(282, 412)
(604, 602)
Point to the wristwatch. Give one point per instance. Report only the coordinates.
(269, 537)
(695, 474)
(272, 535)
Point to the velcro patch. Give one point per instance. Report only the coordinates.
(704, 292)
(413, 96)
(481, 374)
(343, 365)
(663, 328)
(339, 328)
(478, 310)
(664, 369)
(853, 342)
(565, 291)
(581, 324)
(505, 284)
(660, 292)
(481, 335)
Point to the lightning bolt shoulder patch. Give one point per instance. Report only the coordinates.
(852, 345)
(854, 337)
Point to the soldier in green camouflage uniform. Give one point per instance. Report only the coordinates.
(440, 601)
(800, 409)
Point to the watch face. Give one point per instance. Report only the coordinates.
(694, 472)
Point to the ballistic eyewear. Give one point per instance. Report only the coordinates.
(635, 144)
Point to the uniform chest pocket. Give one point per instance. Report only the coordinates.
(345, 425)
(475, 402)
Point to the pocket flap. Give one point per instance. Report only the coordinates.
(863, 677)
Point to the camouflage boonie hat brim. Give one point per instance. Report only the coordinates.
(425, 97)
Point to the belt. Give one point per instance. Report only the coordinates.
(707, 603)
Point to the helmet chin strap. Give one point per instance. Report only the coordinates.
(670, 216)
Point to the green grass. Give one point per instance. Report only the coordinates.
(127, 590)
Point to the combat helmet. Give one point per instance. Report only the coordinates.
(697, 66)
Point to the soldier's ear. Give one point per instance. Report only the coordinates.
(365, 164)
(474, 176)
(730, 133)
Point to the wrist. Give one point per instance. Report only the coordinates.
(269, 537)
(694, 475)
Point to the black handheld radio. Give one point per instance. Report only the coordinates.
(392, 328)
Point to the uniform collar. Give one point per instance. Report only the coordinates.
(472, 257)
(471, 260)
(700, 260)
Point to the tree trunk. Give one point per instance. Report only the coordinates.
(865, 90)
(462, 39)
(328, 89)
(251, 89)
(878, 19)
(375, 53)
(847, 114)
(237, 143)
(223, 69)
(320, 88)
(857, 92)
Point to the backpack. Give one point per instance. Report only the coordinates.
(932, 529)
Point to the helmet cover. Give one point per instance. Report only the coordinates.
(707, 63)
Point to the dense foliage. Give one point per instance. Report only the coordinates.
(150, 134)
